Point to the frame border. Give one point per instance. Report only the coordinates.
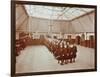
(13, 34)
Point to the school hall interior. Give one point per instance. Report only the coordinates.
(54, 38)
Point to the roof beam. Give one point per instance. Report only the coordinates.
(63, 13)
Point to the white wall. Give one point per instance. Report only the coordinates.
(84, 23)
(21, 20)
(43, 25)
(21, 17)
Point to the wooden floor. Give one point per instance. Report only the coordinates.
(38, 59)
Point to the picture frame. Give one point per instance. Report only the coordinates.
(13, 37)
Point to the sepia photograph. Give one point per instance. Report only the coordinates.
(51, 38)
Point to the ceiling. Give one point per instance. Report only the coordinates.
(56, 13)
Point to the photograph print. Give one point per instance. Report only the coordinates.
(51, 38)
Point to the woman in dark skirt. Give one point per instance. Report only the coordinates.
(74, 52)
(66, 55)
(58, 54)
(71, 54)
